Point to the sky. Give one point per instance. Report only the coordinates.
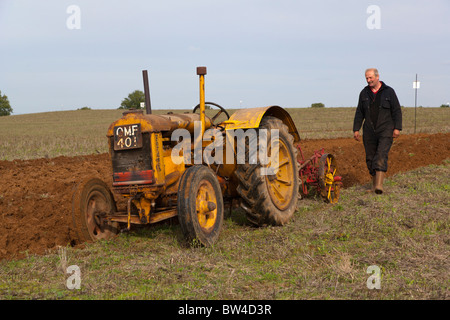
(63, 55)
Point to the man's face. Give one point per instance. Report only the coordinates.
(371, 79)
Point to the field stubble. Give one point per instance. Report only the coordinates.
(83, 132)
(323, 253)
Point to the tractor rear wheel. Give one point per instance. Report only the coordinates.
(200, 205)
(270, 199)
(92, 201)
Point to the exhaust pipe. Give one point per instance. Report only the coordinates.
(148, 105)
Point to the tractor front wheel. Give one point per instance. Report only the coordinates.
(200, 205)
(92, 202)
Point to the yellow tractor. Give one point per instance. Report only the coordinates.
(191, 166)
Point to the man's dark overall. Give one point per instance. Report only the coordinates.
(381, 113)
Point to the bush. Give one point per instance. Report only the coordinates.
(317, 105)
(5, 107)
(445, 105)
(133, 101)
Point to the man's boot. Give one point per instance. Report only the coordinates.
(372, 189)
(379, 177)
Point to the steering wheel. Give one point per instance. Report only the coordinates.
(217, 114)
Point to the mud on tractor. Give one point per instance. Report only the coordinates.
(161, 177)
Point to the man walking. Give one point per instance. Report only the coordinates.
(379, 109)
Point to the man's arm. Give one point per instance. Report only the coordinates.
(396, 113)
(358, 120)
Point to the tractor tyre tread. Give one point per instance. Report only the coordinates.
(186, 205)
(256, 202)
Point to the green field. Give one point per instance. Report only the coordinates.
(72, 133)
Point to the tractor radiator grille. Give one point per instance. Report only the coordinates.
(131, 163)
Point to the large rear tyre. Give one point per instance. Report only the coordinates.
(270, 199)
(200, 205)
(92, 202)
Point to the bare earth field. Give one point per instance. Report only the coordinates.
(35, 195)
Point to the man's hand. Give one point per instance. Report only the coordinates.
(396, 133)
(356, 136)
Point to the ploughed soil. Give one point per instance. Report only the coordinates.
(36, 195)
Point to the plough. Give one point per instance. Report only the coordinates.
(318, 175)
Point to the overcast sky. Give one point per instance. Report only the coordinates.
(258, 53)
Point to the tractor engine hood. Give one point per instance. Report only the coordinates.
(159, 123)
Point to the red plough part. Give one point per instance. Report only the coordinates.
(318, 175)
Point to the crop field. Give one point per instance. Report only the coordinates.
(82, 132)
(326, 252)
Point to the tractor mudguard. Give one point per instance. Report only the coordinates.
(251, 118)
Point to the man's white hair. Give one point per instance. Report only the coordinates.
(375, 71)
